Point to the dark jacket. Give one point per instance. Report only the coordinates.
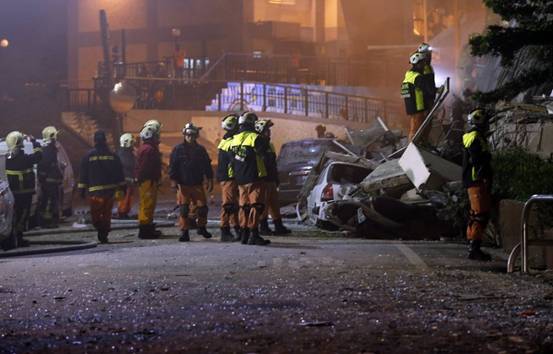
(248, 148)
(128, 160)
(148, 162)
(476, 159)
(101, 172)
(429, 86)
(49, 170)
(224, 159)
(20, 170)
(189, 163)
(270, 158)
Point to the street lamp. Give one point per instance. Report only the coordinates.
(4, 43)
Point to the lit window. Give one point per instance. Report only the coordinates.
(282, 2)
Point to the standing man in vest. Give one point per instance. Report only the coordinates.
(101, 175)
(50, 177)
(271, 182)
(21, 178)
(126, 155)
(148, 175)
(225, 177)
(249, 170)
(188, 166)
(429, 80)
(477, 178)
(412, 91)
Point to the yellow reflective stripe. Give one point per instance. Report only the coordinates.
(19, 172)
(468, 138)
(103, 187)
(82, 185)
(261, 169)
(410, 77)
(419, 99)
(23, 191)
(225, 144)
(37, 149)
(54, 180)
(428, 70)
(474, 176)
(101, 158)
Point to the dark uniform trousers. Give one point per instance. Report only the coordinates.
(48, 205)
(22, 208)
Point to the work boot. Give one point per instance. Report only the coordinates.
(103, 236)
(147, 232)
(226, 235)
(184, 236)
(156, 232)
(255, 239)
(264, 227)
(280, 229)
(202, 231)
(475, 253)
(237, 237)
(244, 235)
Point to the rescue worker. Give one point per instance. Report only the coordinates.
(101, 176)
(156, 125)
(50, 177)
(21, 178)
(128, 160)
(270, 182)
(148, 176)
(412, 91)
(225, 177)
(477, 178)
(189, 165)
(429, 80)
(249, 169)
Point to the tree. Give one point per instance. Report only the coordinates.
(527, 30)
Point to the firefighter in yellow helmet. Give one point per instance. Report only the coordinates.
(21, 177)
(477, 179)
(189, 167)
(225, 177)
(101, 176)
(50, 178)
(128, 160)
(270, 182)
(412, 91)
(249, 170)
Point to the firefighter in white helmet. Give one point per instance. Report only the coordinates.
(50, 178)
(128, 160)
(21, 178)
(429, 80)
(412, 91)
(155, 125)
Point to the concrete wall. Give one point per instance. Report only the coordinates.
(285, 128)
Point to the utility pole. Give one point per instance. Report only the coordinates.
(425, 19)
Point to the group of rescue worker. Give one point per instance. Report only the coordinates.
(246, 171)
(419, 92)
(20, 171)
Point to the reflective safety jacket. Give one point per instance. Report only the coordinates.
(20, 170)
(101, 172)
(429, 83)
(248, 164)
(476, 159)
(49, 169)
(189, 163)
(224, 159)
(412, 91)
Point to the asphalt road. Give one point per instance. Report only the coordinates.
(309, 293)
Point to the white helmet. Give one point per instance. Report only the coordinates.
(416, 58)
(154, 124)
(247, 118)
(263, 124)
(126, 140)
(49, 133)
(14, 140)
(230, 122)
(424, 48)
(147, 133)
(191, 129)
(477, 118)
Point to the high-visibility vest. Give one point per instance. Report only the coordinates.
(468, 139)
(412, 95)
(243, 147)
(225, 145)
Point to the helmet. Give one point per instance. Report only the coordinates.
(14, 140)
(416, 58)
(247, 118)
(230, 122)
(126, 140)
(154, 124)
(478, 118)
(263, 124)
(148, 133)
(191, 129)
(49, 133)
(424, 48)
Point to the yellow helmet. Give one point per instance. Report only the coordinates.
(126, 140)
(14, 140)
(49, 133)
